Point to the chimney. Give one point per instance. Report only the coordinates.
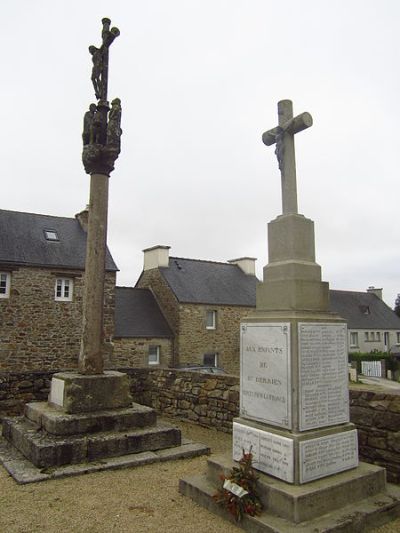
(377, 292)
(156, 256)
(247, 264)
(83, 218)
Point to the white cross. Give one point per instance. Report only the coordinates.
(283, 137)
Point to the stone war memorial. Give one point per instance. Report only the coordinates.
(90, 422)
(294, 398)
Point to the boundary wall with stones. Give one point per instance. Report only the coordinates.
(212, 400)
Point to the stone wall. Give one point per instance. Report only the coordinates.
(134, 352)
(17, 388)
(377, 417)
(36, 331)
(213, 401)
(152, 279)
(205, 399)
(195, 339)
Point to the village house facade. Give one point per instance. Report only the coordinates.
(203, 302)
(372, 325)
(42, 262)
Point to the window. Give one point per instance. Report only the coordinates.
(63, 289)
(51, 235)
(211, 320)
(378, 336)
(5, 284)
(366, 336)
(372, 335)
(353, 339)
(210, 359)
(398, 337)
(154, 355)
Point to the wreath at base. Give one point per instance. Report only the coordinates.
(238, 493)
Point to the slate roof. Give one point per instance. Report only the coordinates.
(137, 314)
(207, 282)
(22, 241)
(363, 310)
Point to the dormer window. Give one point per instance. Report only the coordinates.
(365, 310)
(51, 235)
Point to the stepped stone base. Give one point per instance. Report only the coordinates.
(352, 501)
(61, 438)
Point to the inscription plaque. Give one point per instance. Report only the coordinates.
(328, 455)
(324, 396)
(57, 391)
(265, 391)
(272, 453)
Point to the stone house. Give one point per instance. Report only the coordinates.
(42, 262)
(142, 335)
(372, 325)
(203, 302)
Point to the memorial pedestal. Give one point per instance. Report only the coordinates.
(89, 424)
(294, 401)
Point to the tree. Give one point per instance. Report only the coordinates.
(397, 305)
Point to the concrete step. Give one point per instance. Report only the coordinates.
(57, 422)
(23, 471)
(45, 450)
(359, 517)
(298, 503)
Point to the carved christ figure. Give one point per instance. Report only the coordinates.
(97, 70)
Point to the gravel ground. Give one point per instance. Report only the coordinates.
(144, 499)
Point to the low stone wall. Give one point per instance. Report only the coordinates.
(213, 401)
(377, 417)
(18, 388)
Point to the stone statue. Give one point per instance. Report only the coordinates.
(88, 119)
(102, 126)
(114, 130)
(97, 70)
(279, 148)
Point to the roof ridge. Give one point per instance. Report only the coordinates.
(202, 261)
(132, 288)
(35, 214)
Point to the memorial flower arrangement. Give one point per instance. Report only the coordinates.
(238, 492)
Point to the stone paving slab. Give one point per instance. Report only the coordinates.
(23, 471)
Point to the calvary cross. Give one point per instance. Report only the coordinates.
(283, 137)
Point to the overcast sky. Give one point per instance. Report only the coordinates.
(199, 83)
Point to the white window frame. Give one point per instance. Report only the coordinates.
(157, 349)
(209, 354)
(5, 277)
(64, 284)
(211, 314)
(353, 339)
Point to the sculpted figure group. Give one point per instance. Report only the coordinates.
(101, 124)
(93, 130)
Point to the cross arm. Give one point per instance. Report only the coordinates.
(294, 125)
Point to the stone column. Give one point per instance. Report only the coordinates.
(91, 357)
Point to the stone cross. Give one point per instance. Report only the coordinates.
(283, 137)
(101, 147)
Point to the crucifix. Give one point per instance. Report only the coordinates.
(101, 147)
(283, 137)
